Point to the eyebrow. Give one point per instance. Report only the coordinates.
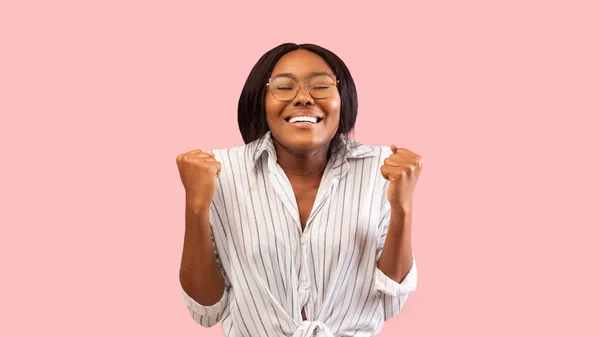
(290, 75)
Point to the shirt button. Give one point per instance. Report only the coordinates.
(305, 285)
(303, 240)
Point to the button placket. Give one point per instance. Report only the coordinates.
(304, 284)
(304, 276)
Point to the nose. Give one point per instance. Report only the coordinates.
(303, 98)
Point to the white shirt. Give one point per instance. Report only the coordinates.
(273, 269)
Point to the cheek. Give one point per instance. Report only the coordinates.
(273, 107)
(332, 107)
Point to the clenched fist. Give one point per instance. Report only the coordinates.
(198, 171)
(402, 169)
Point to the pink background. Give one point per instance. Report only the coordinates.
(501, 98)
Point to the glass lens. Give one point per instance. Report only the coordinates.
(283, 88)
(321, 86)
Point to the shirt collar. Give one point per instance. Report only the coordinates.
(354, 149)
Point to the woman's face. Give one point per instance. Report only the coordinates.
(301, 135)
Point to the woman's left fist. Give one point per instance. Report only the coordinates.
(402, 169)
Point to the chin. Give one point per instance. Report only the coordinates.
(306, 142)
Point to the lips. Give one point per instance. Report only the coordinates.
(304, 116)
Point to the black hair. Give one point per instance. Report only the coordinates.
(252, 119)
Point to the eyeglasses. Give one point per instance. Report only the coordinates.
(285, 88)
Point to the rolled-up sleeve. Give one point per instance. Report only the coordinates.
(394, 294)
(206, 315)
(392, 288)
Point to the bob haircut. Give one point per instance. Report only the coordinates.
(252, 119)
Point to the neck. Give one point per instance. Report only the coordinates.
(309, 164)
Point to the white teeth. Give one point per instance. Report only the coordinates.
(303, 119)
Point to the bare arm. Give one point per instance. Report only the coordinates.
(199, 274)
(402, 168)
(396, 259)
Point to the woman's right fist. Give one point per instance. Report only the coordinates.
(198, 171)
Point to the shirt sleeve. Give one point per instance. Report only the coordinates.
(208, 316)
(394, 294)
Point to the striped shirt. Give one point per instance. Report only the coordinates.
(273, 269)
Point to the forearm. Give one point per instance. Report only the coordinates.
(199, 275)
(396, 257)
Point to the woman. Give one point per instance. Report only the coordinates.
(302, 231)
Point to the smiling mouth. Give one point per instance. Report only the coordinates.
(303, 119)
